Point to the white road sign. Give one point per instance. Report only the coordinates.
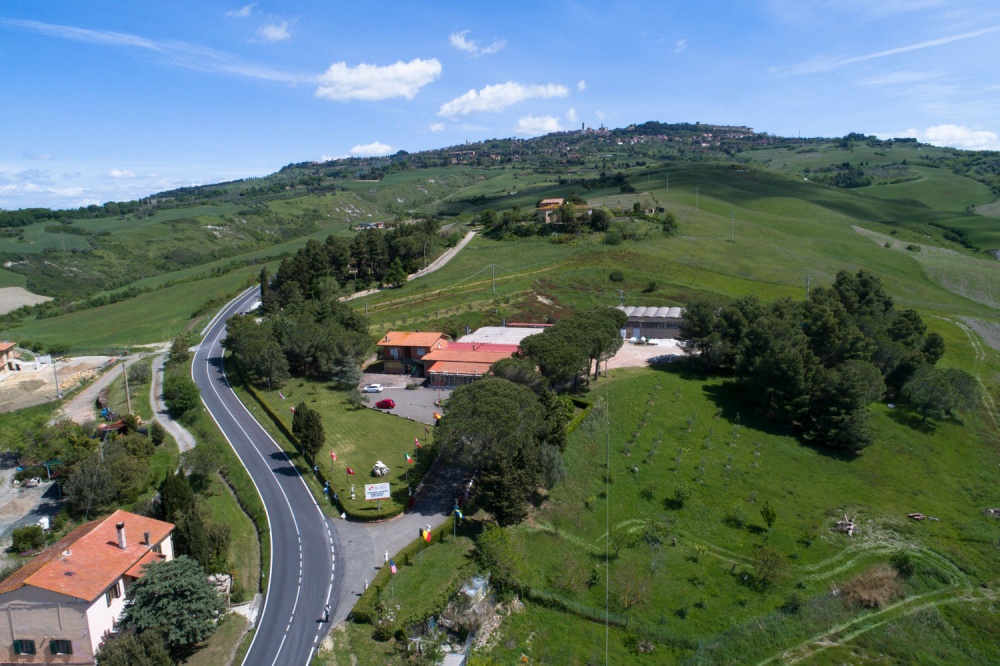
(377, 491)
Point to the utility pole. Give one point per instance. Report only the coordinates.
(128, 397)
(494, 272)
(621, 297)
(807, 287)
(696, 199)
(55, 373)
(732, 230)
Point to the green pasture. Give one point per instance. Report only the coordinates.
(359, 437)
(939, 189)
(11, 279)
(36, 239)
(666, 429)
(155, 317)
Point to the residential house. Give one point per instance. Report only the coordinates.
(9, 358)
(58, 608)
(548, 210)
(403, 352)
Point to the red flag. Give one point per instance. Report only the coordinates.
(291, 408)
(350, 471)
(416, 442)
(426, 534)
(333, 455)
(408, 458)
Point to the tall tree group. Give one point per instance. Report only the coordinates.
(817, 364)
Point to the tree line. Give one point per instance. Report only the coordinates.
(817, 364)
(575, 345)
(373, 256)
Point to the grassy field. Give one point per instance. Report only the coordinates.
(244, 550)
(155, 317)
(218, 648)
(359, 437)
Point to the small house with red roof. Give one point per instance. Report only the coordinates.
(403, 352)
(58, 608)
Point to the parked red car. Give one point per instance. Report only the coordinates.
(388, 403)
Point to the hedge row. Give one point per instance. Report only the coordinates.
(584, 407)
(233, 472)
(364, 610)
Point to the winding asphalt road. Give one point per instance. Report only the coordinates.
(301, 579)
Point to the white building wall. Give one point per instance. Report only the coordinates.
(39, 615)
(101, 617)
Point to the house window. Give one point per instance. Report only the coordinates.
(60, 647)
(158, 549)
(24, 647)
(114, 592)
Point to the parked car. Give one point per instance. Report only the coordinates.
(388, 403)
(373, 388)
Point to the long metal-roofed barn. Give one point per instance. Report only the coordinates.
(652, 323)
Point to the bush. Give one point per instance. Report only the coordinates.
(139, 373)
(903, 563)
(873, 588)
(616, 276)
(28, 538)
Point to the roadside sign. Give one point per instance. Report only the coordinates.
(376, 491)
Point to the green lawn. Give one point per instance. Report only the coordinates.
(218, 648)
(359, 437)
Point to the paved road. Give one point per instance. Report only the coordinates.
(303, 547)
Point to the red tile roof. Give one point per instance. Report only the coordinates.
(85, 562)
(483, 347)
(411, 339)
(466, 356)
(4, 346)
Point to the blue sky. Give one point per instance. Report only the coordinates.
(103, 101)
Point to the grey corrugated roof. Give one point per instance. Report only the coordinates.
(652, 311)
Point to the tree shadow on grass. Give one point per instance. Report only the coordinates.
(912, 421)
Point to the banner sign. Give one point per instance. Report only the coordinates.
(376, 491)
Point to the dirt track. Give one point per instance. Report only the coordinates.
(11, 298)
(33, 386)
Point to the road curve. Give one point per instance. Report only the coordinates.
(301, 578)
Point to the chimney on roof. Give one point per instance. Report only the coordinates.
(121, 535)
(145, 536)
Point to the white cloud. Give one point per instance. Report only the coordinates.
(957, 136)
(437, 127)
(376, 149)
(601, 115)
(535, 125)
(571, 115)
(828, 64)
(498, 97)
(471, 47)
(680, 45)
(371, 82)
(242, 12)
(121, 173)
(581, 85)
(326, 158)
(274, 32)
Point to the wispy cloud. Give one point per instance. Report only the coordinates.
(121, 174)
(680, 45)
(436, 127)
(828, 64)
(371, 82)
(498, 97)
(179, 54)
(459, 41)
(375, 149)
(275, 32)
(242, 12)
(535, 125)
(902, 77)
(571, 115)
(339, 82)
(581, 85)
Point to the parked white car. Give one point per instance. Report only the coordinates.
(373, 388)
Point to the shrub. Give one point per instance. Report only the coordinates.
(903, 563)
(28, 538)
(616, 276)
(138, 373)
(873, 588)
